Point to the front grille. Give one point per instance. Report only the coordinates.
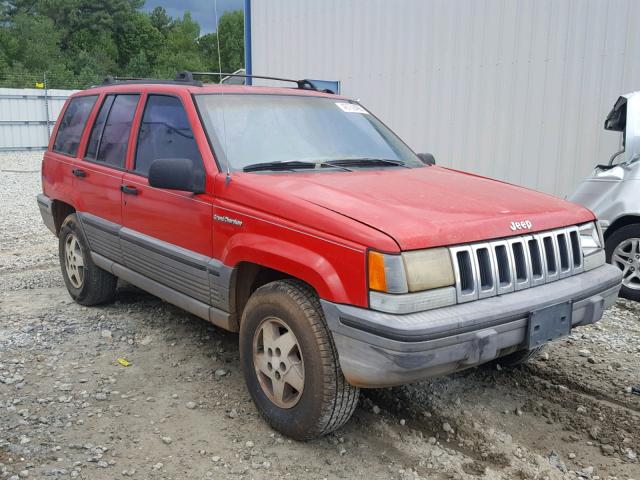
(502, 266)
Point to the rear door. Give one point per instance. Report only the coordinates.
(167, 234)
(60, 161)
(98, 175)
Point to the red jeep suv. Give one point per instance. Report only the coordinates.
(298, 219)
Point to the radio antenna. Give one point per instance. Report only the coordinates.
(224, 123)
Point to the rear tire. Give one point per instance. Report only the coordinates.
(623, 251)
(87, 284)
(291, 364)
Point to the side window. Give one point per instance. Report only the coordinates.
(165, 133)
(72, 124)
(98, 128)
(110, 134)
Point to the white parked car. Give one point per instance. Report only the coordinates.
(612, 192)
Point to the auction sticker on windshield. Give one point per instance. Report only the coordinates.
(351, 107)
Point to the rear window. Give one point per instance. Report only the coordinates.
(72, 124)
(110, 134)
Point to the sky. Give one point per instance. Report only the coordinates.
(202, 11)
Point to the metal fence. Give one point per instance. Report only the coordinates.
(27, 116)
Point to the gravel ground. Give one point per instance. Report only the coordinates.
(68, 409)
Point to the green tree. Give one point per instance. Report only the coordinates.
(139, 66)
(79, 42)
(34, 41)
(180, 51)
(208, 46)
(160, 19)
(137, 37)
(231, 30)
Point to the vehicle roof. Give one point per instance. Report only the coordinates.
(176, 87)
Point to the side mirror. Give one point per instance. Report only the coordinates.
(427, 158)
(176, 174)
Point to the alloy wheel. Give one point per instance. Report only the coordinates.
(74, 260)
(626, 257)
(277, 358)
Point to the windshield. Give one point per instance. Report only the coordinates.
(250, 129)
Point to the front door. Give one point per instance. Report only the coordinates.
(167, 234)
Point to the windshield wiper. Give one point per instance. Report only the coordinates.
(367, 161)
(286, 165)
(289, 165)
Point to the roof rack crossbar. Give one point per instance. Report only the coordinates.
(301, 83)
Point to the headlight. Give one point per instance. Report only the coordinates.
(423, 278)
(592, 245)
(427, 269)
(411, 271)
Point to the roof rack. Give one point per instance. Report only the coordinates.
(182, 78)
(304, 84)
(186, 78)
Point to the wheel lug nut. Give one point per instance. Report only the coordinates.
(270, 352)
(277, 375)
(283, 367)
(269, 366)
(278, 352)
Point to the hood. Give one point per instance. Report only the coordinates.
(427, 207)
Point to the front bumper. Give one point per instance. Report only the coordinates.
(379, 349)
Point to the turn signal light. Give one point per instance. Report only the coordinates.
(377, 277)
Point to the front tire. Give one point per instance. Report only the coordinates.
(290, 362)
(623, 251)
(87, 284)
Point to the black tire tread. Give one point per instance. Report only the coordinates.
(100, 284)
(341, 398)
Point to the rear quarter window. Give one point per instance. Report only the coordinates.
(72, 124)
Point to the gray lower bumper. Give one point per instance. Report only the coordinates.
(380, 349)
(46, 210)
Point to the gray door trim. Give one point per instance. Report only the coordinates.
(179, 254)
(205, 280)
(102, 235)
(207, 312)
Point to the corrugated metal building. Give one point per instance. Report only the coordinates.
(27, 116)
(516, 90)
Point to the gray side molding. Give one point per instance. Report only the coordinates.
(46, 210)
(170, 265)
(214, 315)
(102, 235)
(220, 277)
(195, 282)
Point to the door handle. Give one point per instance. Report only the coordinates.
(129, 190)
(79, 173)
